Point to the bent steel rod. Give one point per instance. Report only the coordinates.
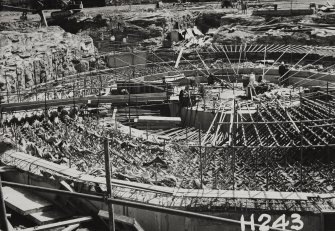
(132, 204)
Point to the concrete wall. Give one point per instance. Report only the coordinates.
(126, 59)
(198, 119)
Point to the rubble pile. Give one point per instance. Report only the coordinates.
(35, 57)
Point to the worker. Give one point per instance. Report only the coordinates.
(181, 96)
(244, 7)
(260, 79)
(275, 7)
(234, 4)
(252, 79)
(245, 83)
(43, 76)
(283, 73)
(261, 86)
(210, 79)
(184, 97)
(124, 92)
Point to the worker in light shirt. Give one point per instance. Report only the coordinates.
(252, 79)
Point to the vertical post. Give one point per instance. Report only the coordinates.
(329, 109)
(66, 136)
(233, 143)
(186, 135)
(200, 154)
(115, 122)
(301, 148)
(74, 102)
(17, 86)
(108, 170)
(7, 87)
(132, 62)
(35, 81)
(136, 107)
(164, 150)
(3, 214)
(45, 102)
(267, 169)
(222, 68)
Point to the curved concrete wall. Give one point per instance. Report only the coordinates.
(304, 78)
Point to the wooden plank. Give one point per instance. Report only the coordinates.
(24, 202)
(59, 224)
(47, 217)
(159, 119)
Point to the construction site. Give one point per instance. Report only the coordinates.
(167, 116)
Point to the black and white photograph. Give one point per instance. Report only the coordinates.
(167, 115)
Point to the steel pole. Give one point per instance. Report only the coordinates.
(108, 170)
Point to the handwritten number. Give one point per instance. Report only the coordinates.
(280, 222)
(296, 220)
(264, 226)
(251, 223)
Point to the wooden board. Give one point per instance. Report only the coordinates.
(59, 224)
(47, 217)
(159, 119)
(24, 202)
